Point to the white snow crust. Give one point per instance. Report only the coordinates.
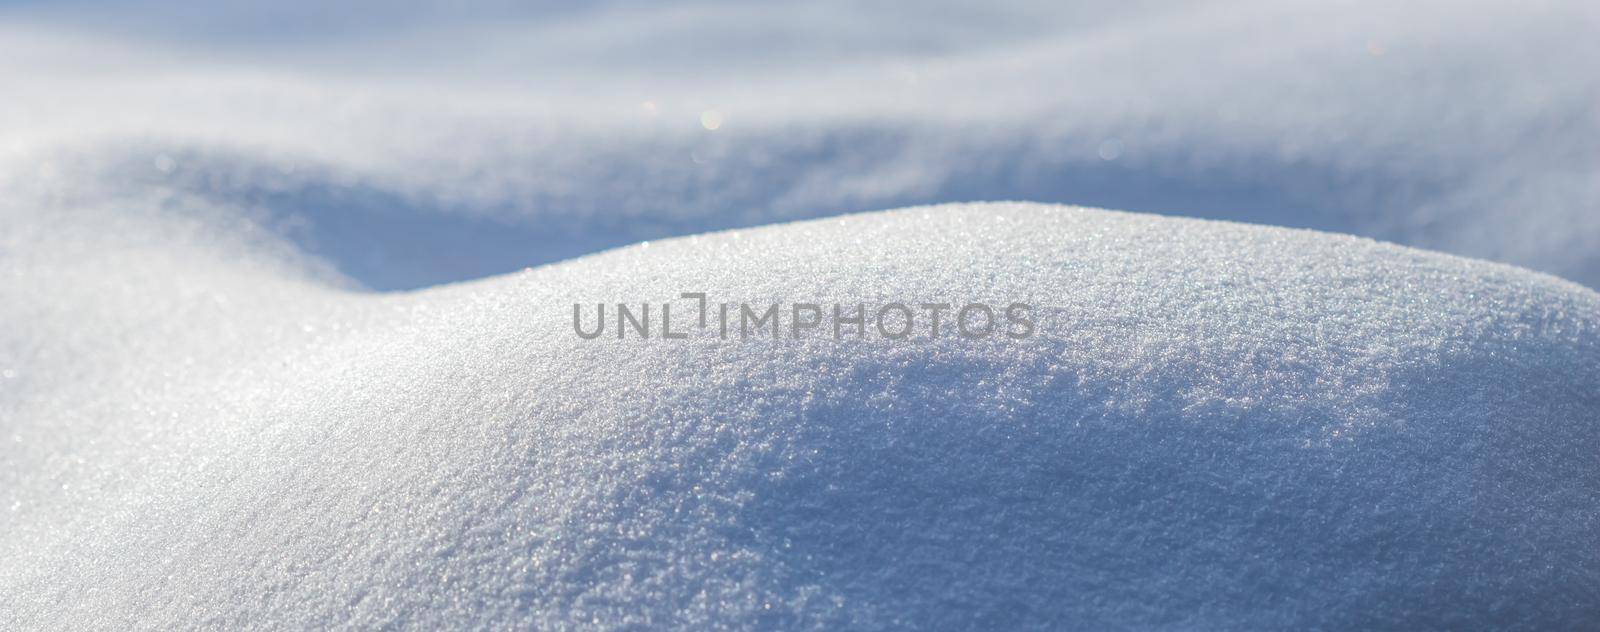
(286, 292)
(1218, 426)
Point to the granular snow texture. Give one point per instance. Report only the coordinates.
(1216, 426)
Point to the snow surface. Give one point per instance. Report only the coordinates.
(378, 138)
(256, 369)
(1219, 426)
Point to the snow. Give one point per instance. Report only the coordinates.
(286, 299)
(1465, 128)
(1219, 425)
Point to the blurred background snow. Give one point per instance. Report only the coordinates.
(401, 145)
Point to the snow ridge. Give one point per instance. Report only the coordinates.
(1218, 426)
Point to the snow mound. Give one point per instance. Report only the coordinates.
(1216, 425)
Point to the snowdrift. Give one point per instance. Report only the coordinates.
(1217, 425)
(449, 143)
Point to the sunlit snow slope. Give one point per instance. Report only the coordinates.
(272, 356)
(1217, 425)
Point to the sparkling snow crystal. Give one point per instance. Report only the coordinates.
(1217, 426)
